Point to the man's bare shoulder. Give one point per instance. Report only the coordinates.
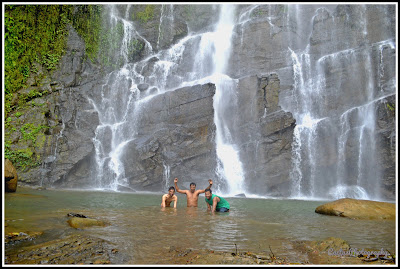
(183, 191)
(198, 192)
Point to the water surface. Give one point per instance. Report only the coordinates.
(140, 228)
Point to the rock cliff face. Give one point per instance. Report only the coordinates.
(265, 134)
(175, 133)
(66, 143)
(176, 136)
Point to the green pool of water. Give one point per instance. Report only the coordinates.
(138, 226)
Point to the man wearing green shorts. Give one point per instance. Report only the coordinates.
(216, 203)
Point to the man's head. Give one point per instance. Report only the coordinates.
(208, 193)
(171, 191)
(192, 187)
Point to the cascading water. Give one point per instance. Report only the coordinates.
(116, 102)
(335, 120)
(121, 100)
(210, 66)
(333, 149)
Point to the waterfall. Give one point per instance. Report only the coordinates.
(333, 98)
(210, 66)
(335, 120)
(121, 101)
(117, 109)
(167, 171)
(229, 165)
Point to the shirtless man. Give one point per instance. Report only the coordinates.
(192, 195)
(169, 197)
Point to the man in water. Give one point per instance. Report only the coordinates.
(192, 195)
(216, 203)
(169, 197)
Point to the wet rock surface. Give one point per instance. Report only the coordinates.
(74, 249)
(10, 176)
(330, 251)
(15, 237)
(81, 223)
(176, 255)
(84, 250)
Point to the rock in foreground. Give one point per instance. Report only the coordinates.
(80, 223)
(359, 209)
(11, 177)
(75, 249)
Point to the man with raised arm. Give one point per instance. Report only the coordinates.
(169, 197)
(192, 195)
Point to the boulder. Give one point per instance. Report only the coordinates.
(358, 209)
(10, 175)
(81, 223)
(143, 86)
(13, 237)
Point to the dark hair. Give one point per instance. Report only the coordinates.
(171, 188)
(192, 184)
(208, 190)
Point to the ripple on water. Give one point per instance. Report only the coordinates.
(139, 226)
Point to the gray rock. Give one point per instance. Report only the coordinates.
(176, 129)
(143, 86)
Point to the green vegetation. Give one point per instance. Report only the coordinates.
(24, 98)
(30, 131)
(32, 33)
(37, 34)
(35, 38)
(22, 158)
(110, 43)
(134, 47)
(145, 15)
(391, 107)
(189, 11)
(87, 22)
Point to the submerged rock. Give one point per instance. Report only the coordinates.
(358, 209)
(80, 223)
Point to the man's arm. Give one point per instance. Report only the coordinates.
(163, 200)
(209, 187)
(175, 201)
(215, 202)
(176, 187)
(208, 206)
